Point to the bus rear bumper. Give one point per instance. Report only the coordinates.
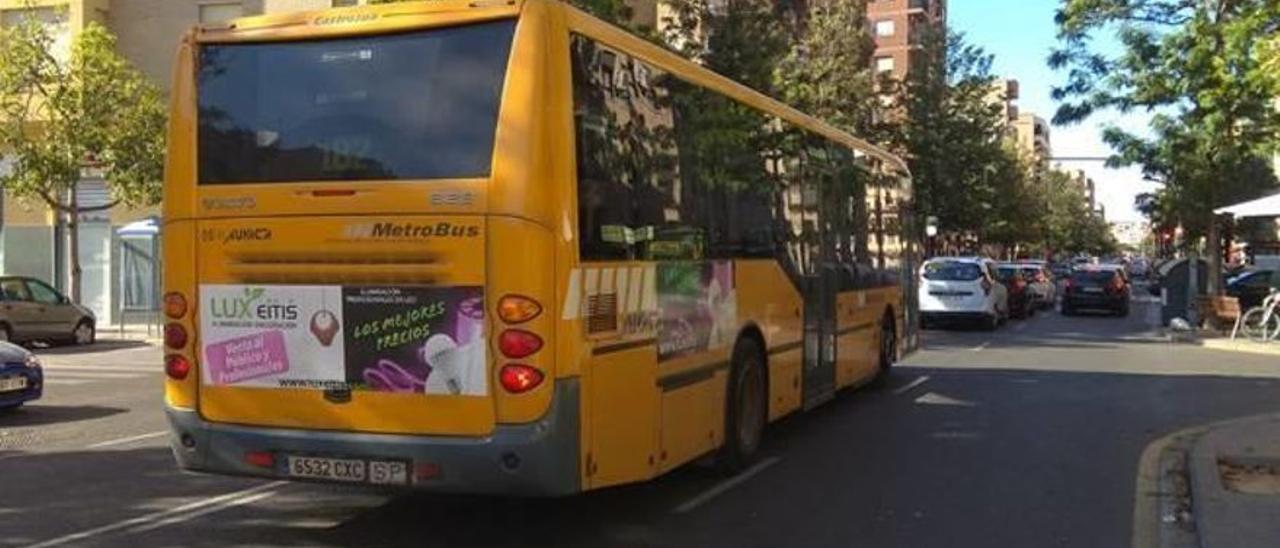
(535, 459)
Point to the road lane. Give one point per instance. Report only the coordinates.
(1033, 441)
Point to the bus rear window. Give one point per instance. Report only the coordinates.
(421, 105)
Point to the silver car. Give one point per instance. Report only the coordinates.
(30, 310)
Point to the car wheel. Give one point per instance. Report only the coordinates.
(991, 323)
(85, 334)
(745, 410)
(1123, 312)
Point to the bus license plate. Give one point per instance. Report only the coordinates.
(11, 384)
(349, 470)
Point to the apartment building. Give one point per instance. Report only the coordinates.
(116, 270)
(1032, 137)
(899, 28)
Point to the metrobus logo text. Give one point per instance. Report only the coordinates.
(411, 230)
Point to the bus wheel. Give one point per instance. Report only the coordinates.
(745, 409)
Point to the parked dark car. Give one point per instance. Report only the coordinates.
(1096, 288)
(1060, 270)
(30, 310)
(21, 378)
(1022, 302)
(1252, 286)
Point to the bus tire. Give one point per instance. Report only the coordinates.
(746, 408)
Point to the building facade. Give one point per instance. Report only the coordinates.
(900, 28)
(1032, 137)
(32, 237)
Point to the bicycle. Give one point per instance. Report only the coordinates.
(1261, 323)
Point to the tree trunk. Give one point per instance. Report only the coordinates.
(73, 243)
(1214, 249)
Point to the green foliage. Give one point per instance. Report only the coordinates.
(1069, 227)
(1200, 66)
(92, 110)
(60, 118)
(827, 72)
(955, 143)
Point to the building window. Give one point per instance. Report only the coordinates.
(221, 12)
(53, 19)
(885, 28)
(884, 64)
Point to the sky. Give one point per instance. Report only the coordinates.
(1020, 34)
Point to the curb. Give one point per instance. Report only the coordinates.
(1164, 494)
(1162, 514)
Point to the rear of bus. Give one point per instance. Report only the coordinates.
(359, 256)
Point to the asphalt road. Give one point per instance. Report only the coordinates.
(1026, 437)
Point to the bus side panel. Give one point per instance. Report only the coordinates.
(692, 419)
(856, 338)
(624, 421)
(767, 298)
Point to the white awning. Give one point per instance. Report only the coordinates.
(1262, 207)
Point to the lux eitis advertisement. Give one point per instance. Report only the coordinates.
(426, 340)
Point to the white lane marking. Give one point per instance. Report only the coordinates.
(221, 502)
(907, 387)
(934, 398)
(980, 347)
(130, 439)
(719, 488)
(204, 511)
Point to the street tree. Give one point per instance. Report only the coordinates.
(1197, 66)
(64, 118)
(953, 136)
(827, 71)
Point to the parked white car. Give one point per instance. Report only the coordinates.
(962, 289)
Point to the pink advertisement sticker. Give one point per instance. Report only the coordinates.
(245, 358)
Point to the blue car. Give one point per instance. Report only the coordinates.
(21, 378)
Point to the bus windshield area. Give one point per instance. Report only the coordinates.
(419, 105)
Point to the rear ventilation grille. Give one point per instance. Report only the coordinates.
(602, 313)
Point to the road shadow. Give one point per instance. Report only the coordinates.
(37, 414)
(103, 345)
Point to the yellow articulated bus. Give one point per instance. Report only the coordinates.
(504, 247)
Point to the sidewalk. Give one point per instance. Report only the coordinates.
(1232, 474)
(1241, 345)
(132, 332)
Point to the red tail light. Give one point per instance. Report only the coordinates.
(177, 367)
(175, 336)
(515, 309)
(518, 343)
(1069, 284)
(519, 378)
(175, 305)
(1117, 285)
(261, 459)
